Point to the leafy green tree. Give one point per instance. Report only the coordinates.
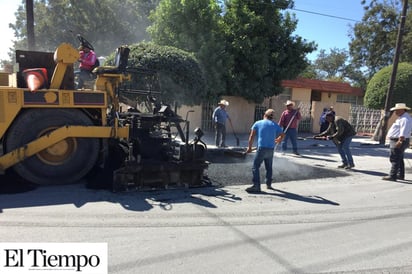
(180, 76)
(373, 39)
(245, 51)
(377, 89)
(108, 24)
(105, 23)
(337, 66)
(6, 66)
(309, 72)
(406, 53)
(356, 76)
(194, 26)
(332, 64)
(261, 46)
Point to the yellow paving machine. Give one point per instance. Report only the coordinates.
(55, 134)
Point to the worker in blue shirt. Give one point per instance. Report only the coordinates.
(268, 132)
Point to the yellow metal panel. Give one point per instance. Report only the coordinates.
(12, 97)
(64, 55)
(10, 105)
(58, 75)
(54, 98)
(2, 108)
(67, 98)
(19, 154)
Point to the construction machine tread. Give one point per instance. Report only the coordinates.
(65, 162)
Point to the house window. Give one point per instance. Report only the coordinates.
(344, 98)
(316, 95)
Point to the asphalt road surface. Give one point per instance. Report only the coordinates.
(317, 219)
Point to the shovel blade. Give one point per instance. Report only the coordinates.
(235, 153)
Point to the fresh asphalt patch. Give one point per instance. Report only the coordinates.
(227, 169)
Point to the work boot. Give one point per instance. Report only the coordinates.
(253, 189)
(389, 178)
(342, 166)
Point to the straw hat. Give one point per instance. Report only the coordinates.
(223, 102)
(400, 106)
(289, 102)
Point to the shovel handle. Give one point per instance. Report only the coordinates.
(253, 149)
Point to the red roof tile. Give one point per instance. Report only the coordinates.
(325, 86)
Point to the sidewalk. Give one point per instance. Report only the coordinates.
(305, 141)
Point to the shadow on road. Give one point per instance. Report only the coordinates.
(17, 196)
(369, 172)
(297, 197)
(11, 183)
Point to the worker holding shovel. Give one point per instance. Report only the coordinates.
(341, 133)
(289, 121)
(219, 117)
(267, 132)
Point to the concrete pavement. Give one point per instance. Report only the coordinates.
(317, 219)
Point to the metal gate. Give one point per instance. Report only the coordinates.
(207, 111)
(305, 124)
(363, 119)
(259, 112)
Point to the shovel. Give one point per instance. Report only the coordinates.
(237, 139)
(291, 119)
(290, 122)
(237, 153)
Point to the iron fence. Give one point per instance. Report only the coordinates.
(207, 111)
(305, 124)
(363, 119)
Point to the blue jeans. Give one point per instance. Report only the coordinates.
(220, 135)
(84, 75)
(344, 151)
(291, 134)
(262, 155)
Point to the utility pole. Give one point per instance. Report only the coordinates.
(31, 44)
(392, 80)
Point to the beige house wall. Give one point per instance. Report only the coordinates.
(240, 111)
(329, 98)
(341, 109)
(301, 95)
(194, 118)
